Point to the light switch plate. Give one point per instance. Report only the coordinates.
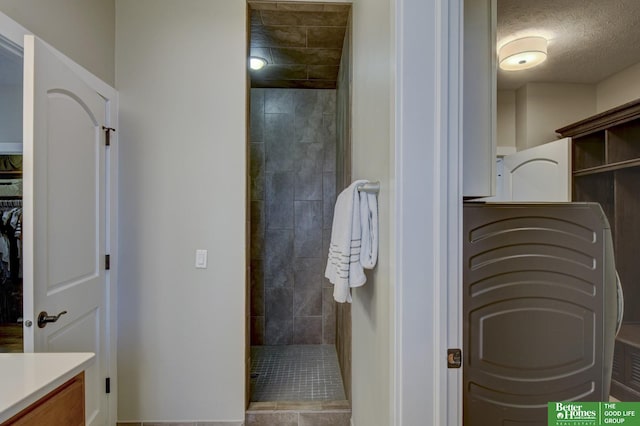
(201, 259)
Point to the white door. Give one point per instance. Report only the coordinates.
(64, 216)
(541, 173)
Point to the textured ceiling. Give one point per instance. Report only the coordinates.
(589, 40)
(302, 43)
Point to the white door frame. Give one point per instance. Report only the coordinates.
(14, 32)
(428, 211)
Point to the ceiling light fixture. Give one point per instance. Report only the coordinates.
(523, 53)
(256, 63)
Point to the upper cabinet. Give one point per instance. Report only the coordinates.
(479, 98)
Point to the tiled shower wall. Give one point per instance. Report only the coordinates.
(292, 185)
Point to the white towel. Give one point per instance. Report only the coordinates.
(354, 240)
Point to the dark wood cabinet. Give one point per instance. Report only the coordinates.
(606, 169)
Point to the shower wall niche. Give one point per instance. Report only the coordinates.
(293, 191)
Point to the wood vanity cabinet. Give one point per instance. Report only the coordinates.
(64, 406)
(606, 169)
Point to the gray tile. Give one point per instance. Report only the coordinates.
(308, 186)
(308, 243)
(323, 72)
(313, 379)
(279, 142)
(328, 316)
(265, 36)
(326, 240)
(329, 37)
(272, 419)
(256, 124)
(278, 332)
(308, 229)
(328, 199)
(328, 100)
(308, 216)
(257, 101)
(307, 294)
(307, 330)
(303, 18)
(220, 424)
(328, 128)
(279, 192)
(256, 171)
(278, 101)
(309, 264)
(256, 229)
(325, 419)
(309, 157)
(281, 72)
(308, 116)
(329, 156)
(297, 55)
(257, 330)
(257, 287)
(278, 270)
(278, 304)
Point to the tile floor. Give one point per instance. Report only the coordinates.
(295, 373)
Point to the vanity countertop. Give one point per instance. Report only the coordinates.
(27, 377)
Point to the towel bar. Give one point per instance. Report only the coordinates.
(371, 187)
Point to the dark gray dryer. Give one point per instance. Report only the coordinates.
(539, 309)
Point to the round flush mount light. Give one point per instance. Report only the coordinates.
(523, 53)
(256, 63)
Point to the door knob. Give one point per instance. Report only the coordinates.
(44, 318)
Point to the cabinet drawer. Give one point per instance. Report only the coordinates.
(63, 406)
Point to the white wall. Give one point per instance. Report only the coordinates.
(618, 89)
(544, 107)
(506, 118)
(83, 30)
(372, 158)
(181, 75)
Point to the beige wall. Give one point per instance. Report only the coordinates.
(619, 88)
(506, 118)
(181, 76)
(83, 30)
(541, 108)
(373, 159)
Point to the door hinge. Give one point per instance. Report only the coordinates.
(107, 135)
(107, 262)
(107, 385)
(454, 358)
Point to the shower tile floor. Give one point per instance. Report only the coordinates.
(295, 373)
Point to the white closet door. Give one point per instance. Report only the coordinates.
(541, 173)
(64, 216)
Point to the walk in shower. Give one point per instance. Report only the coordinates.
(297, 140)
(293, 191)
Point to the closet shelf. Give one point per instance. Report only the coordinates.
(607, 167)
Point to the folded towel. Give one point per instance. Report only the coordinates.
(354, 240)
